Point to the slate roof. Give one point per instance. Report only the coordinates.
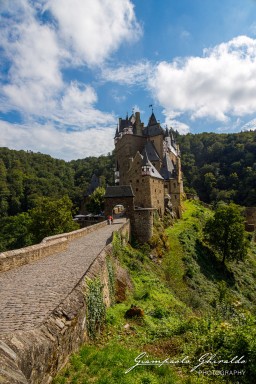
(153, 128)
(151, 170)
(168, 169)
(119, 191)
(152, 120)
(151, 151)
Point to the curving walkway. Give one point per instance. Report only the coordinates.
(28, 294)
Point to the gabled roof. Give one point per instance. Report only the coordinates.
(168, 169)
(119, 191)
(151, 151)
(151, 170)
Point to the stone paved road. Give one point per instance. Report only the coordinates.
(31, 292)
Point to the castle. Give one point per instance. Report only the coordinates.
(148, 173)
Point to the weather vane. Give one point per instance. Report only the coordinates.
(151, 106)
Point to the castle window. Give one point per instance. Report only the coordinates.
(175, 196)
(136, 189)
(174, 185)
(137, 181)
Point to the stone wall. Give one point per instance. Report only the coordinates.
(142, 224)
(18, 257)
(34, 357)
(48, 246)
(157, 194)
(126, 148)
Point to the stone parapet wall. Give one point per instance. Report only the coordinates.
(75, 234)
(48, 246)
(35, 356)
(18, 257)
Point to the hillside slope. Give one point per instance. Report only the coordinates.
(190, 307)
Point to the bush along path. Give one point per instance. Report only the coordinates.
(187, 319)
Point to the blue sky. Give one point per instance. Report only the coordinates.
(70, 68)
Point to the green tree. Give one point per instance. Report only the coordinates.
(51, 217)
(96, 203)
(4, 190)
(226, 234)
(15, 232)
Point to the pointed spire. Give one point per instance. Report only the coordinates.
(116, 131)
(152, 120)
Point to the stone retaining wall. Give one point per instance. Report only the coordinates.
(35, 356)
(48, 246)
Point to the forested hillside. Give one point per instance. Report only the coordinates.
(39, 194)
(25, 176)
(220, 166)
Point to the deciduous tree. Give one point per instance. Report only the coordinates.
(226, 234)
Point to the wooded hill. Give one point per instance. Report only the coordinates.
(215, 166)
(25, 176)
(220, 166)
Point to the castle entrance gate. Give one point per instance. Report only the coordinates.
(119, 196)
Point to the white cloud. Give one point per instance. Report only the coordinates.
(34, 76)
(170, 121)
(36, 49)
(135, 74)
(93, 29)
(250, 126)
(59, 144)
(220, 84)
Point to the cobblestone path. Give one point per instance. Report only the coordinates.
(30, 292)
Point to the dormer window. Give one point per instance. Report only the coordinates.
(145, 170)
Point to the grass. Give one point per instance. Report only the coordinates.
(191, 306)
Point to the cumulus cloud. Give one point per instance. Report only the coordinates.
(33, 55)
(219, 84)
(46, 138)
(177, 125)
(76, 108)
(93, 29)
(38, 41)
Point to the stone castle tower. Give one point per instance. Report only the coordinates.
(148, 170)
